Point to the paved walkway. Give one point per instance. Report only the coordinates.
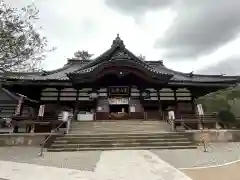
(113, 165)
(218, 153)
(136, 165)
(225, 172)
(82, 160)
(86, 160)
(24, 163)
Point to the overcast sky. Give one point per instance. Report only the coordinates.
(188, 35)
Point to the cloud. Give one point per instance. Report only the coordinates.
(137, 8)
(229, 66)
(200, 28)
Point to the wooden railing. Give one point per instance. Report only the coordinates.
(45, 124)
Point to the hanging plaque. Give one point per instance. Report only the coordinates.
(117, 101)
(123, 90)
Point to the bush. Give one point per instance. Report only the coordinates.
(226, 116)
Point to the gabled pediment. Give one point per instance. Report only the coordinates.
(118, 51)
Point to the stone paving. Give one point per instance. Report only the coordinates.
(218, 153)
(24, 162)
(226, 172)
(113, 165)
(85, 160)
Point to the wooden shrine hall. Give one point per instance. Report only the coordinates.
(115, 85)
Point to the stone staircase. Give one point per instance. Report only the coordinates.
(113, 135)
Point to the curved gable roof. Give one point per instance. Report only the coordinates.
(116, 52)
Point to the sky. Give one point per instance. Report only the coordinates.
(202, 36)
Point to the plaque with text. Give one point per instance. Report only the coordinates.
(118, 91)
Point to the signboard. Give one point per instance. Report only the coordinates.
(171, 115)
(132, 109)
(41, 110)
(118, 90)
(65, 116)
(115, 101)
(200, 110)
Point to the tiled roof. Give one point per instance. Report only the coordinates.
(117, 52)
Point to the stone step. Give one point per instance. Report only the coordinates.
(128, 135)
(117, 122)
(111, 140)
(119, 148)
(123, 144)
(123, 127)
(120, 127)
(114, 135)
(89, 124)
(111, 132)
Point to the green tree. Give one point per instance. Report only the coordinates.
(22, 48)
(83, 55)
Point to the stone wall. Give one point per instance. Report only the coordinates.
(25, 139)
(217, 135)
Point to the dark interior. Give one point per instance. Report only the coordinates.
(118, 108)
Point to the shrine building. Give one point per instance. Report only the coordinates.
(115, 85)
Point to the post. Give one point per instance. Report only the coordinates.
(171, 117)
(200, 120)
(18, 112)
(200, 116)
(173, 126)
(19, 106)
(217, 126)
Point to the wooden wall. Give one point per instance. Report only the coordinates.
(71, 94)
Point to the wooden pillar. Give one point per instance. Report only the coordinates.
(194, 106)
(76, 105)
(177, 114)
(141, 101)
(58, 97)
(193, 102)
(159, 106)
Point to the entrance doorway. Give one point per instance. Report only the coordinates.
(119, 108)
(119, 112)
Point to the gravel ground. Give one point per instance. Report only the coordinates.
(218, 153)
(85, 161)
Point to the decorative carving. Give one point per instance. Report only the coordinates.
(93, 95)
(146, 94)
(118, 42)
(121, 55)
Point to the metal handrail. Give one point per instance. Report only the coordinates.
(203, 140)
(171, 121)
(50, 135)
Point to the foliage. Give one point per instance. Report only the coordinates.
(83, 55)
(214, 105)
(226, 116)
(228, 99)
(22, 47)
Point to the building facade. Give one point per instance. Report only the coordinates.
(117, 85)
